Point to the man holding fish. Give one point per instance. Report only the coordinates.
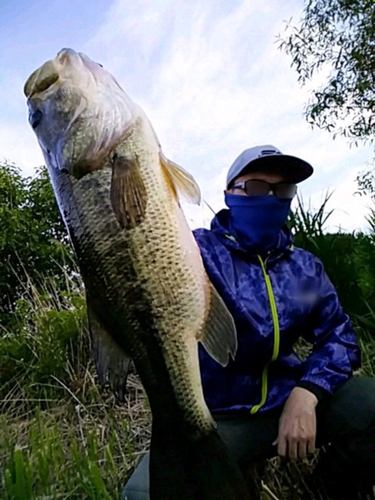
(268, 401)
(149, 297)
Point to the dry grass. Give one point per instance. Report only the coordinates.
(82, 427)
(84, 416)
(61, 436)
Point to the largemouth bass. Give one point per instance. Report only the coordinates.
(148, 296)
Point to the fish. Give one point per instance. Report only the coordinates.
(148, 296)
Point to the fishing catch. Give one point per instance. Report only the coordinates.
(148, 296)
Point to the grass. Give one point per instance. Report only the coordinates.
(61, 436)
(73, 450)
(87, 450)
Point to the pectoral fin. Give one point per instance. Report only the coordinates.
(180, 181)
(219, 336)
(111, 361)
(128, 192)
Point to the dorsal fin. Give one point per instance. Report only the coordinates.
(182, 183)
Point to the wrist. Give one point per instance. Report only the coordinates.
(309, 397)
(319, 392)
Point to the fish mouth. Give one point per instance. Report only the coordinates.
(41, 80)
(66, 51)
(44, 77)
(78, 111)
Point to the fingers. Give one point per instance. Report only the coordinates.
(297, 427)
(282, 446)
(311, 445)
(302, 449)
(306, 447)
(295, 448)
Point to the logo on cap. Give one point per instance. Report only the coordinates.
(266, 152)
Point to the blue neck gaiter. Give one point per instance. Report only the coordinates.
(257, 220)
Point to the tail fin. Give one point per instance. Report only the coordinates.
(192, 469)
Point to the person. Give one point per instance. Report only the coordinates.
(268, 401)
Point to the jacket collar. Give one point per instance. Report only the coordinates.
(220, 226)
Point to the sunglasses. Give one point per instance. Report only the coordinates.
(253, 187)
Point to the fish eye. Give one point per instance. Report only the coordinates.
(101, 65)
(36, 118)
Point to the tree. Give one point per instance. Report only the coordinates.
(337, 36)
(33, 241)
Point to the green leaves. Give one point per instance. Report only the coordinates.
(48, 340)
(53, 465)
(33, 241)
(348, 258)
(18, 477)
(337, 36)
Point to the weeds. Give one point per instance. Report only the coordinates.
(72, 450)
(62, 436)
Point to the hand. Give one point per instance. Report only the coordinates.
(297, 425)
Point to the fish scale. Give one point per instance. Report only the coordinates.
(187, 301)
(102, 262)
(148, 296)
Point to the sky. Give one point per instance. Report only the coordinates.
(209, 75)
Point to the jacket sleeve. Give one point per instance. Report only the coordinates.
(335, 352)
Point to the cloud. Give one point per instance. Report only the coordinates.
(18, 146)
(213, 82)
(18, 143)
(349, 211)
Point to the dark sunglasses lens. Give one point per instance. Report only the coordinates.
(285, 190)
(256, 188)
(262, 188)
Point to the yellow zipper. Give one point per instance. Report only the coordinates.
(276, 330)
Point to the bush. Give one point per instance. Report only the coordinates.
(59, 436)
(33, 241)
(48, 342)
(348, 258)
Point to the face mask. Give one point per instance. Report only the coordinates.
(257, 220)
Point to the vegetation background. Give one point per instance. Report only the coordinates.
(61, 436)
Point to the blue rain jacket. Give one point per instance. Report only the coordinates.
(274, 301)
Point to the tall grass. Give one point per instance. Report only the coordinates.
(45, 468)
(62, 436)
(348, 258)
(70, 452)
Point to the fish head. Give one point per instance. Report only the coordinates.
(78, 112)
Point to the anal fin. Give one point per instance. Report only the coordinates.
(219, 336)
(112, 363)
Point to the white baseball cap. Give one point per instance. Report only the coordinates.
(268, 158)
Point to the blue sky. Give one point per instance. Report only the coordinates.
(208, 74)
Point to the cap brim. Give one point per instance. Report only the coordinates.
(292, 168)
